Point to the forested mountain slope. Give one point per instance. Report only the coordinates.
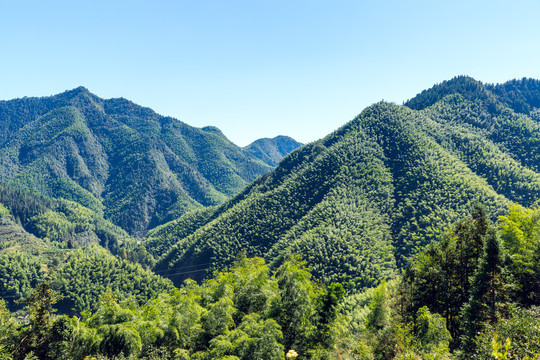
(271, 151)
(138, 168)
(358, 203)
(70, 245)
(33, 221)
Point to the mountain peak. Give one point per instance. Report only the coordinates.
(113, 153)
(77, 93)
(464, 85)
(80, 90)
(271, 151)
(213, 129)
(522, 96)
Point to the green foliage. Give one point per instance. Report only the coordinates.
(497, 348)
(9, 331)
(522, 328)
(35, 335)
(89, 272)
(216, 320)
(378, 316)
(253, 339)
(387, 335)
(61, 223)
(119, 339)
(61, 336)
(440, 277)
(520, 232)
(522, 96)
(19, 274)
(432, 332)
(160, 239)
(463, 85)
(296, 307)
(486, 307)
(327, 313)
(80, 276)
(115, 157)
(388, 183)
(271, 151)
(487, 292)
(4, 212)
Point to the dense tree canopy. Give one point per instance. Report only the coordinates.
(137, 167)
(409, 233)
(360, 202)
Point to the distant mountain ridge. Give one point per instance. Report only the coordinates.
(358, 203)
(136, 167)
(271, 151)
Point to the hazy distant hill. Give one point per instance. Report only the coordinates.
(138, 168)
(271, 151)
(358, 203)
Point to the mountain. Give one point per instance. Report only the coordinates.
(271, 151)
(363, 200)
(138, 168)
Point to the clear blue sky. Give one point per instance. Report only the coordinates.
(262, 68)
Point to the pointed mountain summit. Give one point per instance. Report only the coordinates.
(138, 168)
(358, 203)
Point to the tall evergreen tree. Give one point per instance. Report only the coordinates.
(441, 276)
(35, 336)
(470, 235)
(487, 292)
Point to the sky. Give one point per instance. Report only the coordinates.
(262, 68)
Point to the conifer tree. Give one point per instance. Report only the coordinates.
(35, 336)
(487, 292)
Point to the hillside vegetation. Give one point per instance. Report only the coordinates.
(471, 295)
(138, 168)
(360, 202)
(72, 246)
(412, 232)
(271, 151)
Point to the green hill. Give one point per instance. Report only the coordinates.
(360, 202)
(271, 151)
(138, 168)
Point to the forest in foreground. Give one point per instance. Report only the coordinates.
(412, 232)
(475, 294)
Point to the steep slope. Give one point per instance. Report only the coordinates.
(70, 245)
(81, 277)
(34, 223)
(271, 151)
(139, 168)
(361, 201)
(522, 96)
